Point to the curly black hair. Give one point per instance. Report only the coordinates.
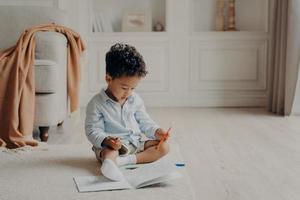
(124, 60)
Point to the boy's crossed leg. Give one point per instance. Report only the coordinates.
(110, 158)
(151, 153)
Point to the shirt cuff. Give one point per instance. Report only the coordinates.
(152, 132)
(99, 141)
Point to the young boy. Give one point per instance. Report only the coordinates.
(116, 120)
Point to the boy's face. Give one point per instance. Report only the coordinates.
(121, 88)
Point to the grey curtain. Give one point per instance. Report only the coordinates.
(292, 94)
(277, 78)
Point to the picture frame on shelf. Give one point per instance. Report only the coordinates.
(137, 21)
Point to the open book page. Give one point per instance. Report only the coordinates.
(148, 174)
(169, 177)
(142, 175)
(99, 183)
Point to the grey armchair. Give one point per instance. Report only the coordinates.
(50, 60)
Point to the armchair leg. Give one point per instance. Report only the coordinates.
(60, 123)
(44, 133)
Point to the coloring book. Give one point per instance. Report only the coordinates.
(136, 176)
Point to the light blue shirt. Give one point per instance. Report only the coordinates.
(105, 117)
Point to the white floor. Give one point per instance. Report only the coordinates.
(235, 154)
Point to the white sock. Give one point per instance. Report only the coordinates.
(111, 171)
(126, 160)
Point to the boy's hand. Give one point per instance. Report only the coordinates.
(161, 134)
(113, 143)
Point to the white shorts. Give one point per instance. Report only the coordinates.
(126, 149)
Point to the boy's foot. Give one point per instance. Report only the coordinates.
(111, 171)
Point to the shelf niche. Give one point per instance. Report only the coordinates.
(250, 15)
(109, 14)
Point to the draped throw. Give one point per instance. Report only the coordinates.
(17, 87)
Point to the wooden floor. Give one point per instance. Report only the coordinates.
(234, 154)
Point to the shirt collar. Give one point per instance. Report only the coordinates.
(107, 99)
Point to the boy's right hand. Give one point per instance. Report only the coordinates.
(113, 143)
(161, 134)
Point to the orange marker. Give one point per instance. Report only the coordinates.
(114, 140)
(165, 137)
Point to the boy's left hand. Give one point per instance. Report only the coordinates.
(161, 134)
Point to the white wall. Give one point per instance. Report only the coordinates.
(190, 64)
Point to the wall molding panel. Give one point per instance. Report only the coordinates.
(228, 65)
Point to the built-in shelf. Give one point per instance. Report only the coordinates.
(236, 35)
(215, 68)
(251, 15)
(118, 16)
(125, 36)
